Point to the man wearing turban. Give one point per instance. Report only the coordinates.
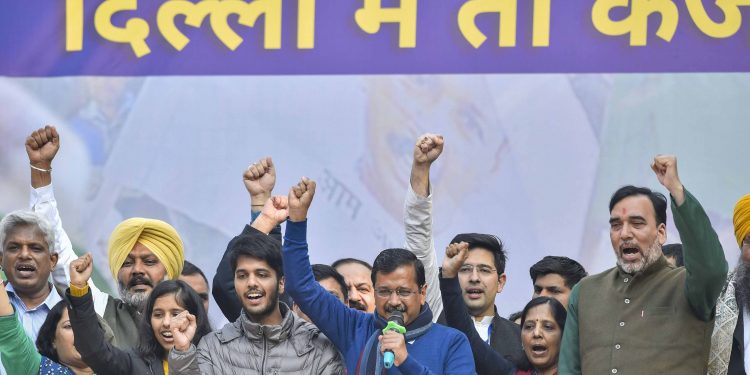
(729, 353)
(142, 252)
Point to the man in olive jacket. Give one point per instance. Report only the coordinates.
(644, 316)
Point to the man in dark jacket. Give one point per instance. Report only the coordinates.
(479, 287)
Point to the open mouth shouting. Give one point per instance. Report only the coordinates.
(630, 253)
(25, 270)
(539, 350)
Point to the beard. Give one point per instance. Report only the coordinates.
(258, 313)
(137, 300)
(649, 257)
(742, 284)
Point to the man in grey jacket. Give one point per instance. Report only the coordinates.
(273, 339)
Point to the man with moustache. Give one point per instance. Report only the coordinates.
(27, 257)
(730, 352)
(142, 252)
(267, 338)
(357, 274)
(644, 316)
(400, 285)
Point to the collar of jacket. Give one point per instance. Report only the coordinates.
(659, 265)
(256, 331)
(298, 332)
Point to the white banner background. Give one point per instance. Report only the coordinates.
(530, 158)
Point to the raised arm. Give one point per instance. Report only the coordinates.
(487, 360)
(336, 320)
(418, 215)
(259, 179)
(41, 147)
(705, 263)
(89, 340)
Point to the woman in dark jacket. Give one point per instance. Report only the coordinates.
(167, 300)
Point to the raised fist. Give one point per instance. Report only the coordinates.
(183, 328)
(455, 256)
(259, 179)
(665, 167)
(300, 198)
(42, 146)
(428, 148)
(80, 270)
(276, 209)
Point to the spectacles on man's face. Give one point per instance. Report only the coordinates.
(483, 270)
(401, 293)
(746, 242)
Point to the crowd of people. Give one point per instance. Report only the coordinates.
(661, 309)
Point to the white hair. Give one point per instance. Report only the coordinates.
(22, 218)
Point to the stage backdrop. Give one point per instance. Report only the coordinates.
(162, 105)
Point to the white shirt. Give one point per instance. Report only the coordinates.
(42, 201)
(483, 327)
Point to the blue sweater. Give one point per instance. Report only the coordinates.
(441, 350)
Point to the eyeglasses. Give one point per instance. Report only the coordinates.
(746, 242)
(401, 293)
(468, 269)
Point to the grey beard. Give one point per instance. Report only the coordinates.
(742, 284)
(135, 300)
(650, 257)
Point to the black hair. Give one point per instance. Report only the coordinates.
(515, 316)
(570, 270)
(658, 200)
(258, 246)
(46, 337)
(148, 347)
(344, 261)
(558, 311)
(674, 250)
(488, 242)
(324, 271)
(390, 259)
(191, 269)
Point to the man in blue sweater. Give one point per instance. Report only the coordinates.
(399, 280)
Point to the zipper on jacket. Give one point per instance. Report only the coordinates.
(263, 363)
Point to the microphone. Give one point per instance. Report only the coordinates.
(395, 323)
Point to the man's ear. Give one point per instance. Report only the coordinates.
(282, 281)
(501, 282)
(661, 233)
(53, 259)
